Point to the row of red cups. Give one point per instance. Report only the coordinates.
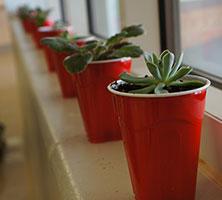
(161, 141)
(100, 122)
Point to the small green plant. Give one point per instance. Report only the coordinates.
(63, 43)
(40, 16)
(59, 25)
(116, 46)
(24, 12)
(166, 73)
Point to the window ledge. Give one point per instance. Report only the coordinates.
(213, 103)
(81, 170)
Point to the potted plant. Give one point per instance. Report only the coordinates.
(160, 116)
(58, 48)
(50, 31)
(23, 13)
(39, 18)
(95, 65)
(56, 29)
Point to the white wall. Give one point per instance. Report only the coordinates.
(105, 17)
(143, 12)
(12, 5)
(76, 11)
(56, 10)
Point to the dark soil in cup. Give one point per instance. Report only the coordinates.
(122, 86)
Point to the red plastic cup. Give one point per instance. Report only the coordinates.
(49, 56)
(95, 101)
(161, 136)
(37, 35)
(46, 31)
(49, 53)
(68, 88)
(26, 25)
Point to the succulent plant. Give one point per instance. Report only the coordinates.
(24, 12)
(166, 73)
(66, 42)
(40, 16)
(59, 25)
(116, 46)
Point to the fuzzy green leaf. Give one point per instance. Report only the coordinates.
(89, 46)
(127, 51)
(59, 44)
(133, 31)
(130, 31)
(145, 90)
(180, 73)
(137, 80)
(77, 63)
(116, 39)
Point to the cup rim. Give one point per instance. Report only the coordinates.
(164, 95)
(111, 60)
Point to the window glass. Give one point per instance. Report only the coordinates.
(201, 34)
(76, 14)
(105, 17)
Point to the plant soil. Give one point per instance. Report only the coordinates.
(122, 86)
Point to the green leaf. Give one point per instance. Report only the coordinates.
(133, 31)
(41, 16)
(137, 80)
(159, 89)
(127, 51)
(145, 90)
(101, 52)
(187, 83)
(164, 53)
(89, 46)
(117, 38)
(155, 59)
(154, 70)
(180, 73)
(130, 31)
(59, 44)
(121, 44)
(77, 63)
(65, 35)
(148, 57)
(167, 62)
(59, 25)
(177, 65)
(54, 43)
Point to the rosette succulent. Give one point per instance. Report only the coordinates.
(167, 75)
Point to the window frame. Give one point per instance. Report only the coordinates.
(169, 11)
(91, 22)
(62, 9)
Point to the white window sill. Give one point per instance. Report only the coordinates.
(81, 170)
